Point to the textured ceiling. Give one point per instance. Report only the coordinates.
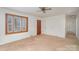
(55, 10)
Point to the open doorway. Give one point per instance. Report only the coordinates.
(38, 27)
(70, 26)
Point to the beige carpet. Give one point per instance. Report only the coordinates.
(42, 43)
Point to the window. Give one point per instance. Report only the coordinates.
(16, 24)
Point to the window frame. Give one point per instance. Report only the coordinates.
(13, 16)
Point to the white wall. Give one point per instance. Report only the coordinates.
(43, 27)
(77, 26)
(54, 25)
(13, 37)
(71, 23)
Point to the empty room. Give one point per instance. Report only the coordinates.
(39, 28)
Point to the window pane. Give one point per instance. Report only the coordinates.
(23, 24)
(10, 23)
(17, 21)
